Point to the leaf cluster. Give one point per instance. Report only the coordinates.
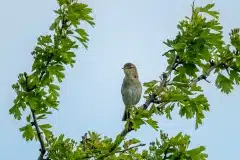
(40, 90)
(196, 52)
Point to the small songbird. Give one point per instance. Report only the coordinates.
(131, 88)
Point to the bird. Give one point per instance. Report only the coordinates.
(131, 88)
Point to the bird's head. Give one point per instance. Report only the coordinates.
(130, 70)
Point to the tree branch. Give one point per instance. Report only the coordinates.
(64, 24)
(35, 123)
(163, 83)
(204, 75)
(207, 73)
(165, 153)
(40, 137)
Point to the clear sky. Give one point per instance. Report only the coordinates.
(90, 98)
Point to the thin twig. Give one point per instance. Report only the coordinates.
(84, 141)
(40, 137)
(207, 73)
(122, 151)
(35, 124)
(165, 153)
(163, 83)
(204, 75)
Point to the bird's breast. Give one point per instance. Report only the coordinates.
(131, 92)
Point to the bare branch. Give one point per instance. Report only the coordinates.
(40, 137)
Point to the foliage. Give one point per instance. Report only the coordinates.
(197, 51)
(173, 148)
(39, 90)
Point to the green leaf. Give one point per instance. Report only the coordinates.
(42, 116)
(53, 86)
(196, 88)
(180, 84)
(82, 33)
(213, 13)
(28, 118)
(234, 76)
(82, 41)
(57, 71)
(62, 2)
(208, 7)
(152, 123)
(55, 24)
(178, 97)
(33, 104)
(179, 46)
(180, 78)
(60, 138)
(43, 40)
(194, 152)
(46, 79)
(217, 28)
(134, 141)
(130, 142)
(16, 112)
(223, 83)
(191, 69)
(238, 61)
(28, 132)
(150, 84)
(45, 126)
(168, 110)
(137, 122)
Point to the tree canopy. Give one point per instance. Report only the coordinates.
(197, 51)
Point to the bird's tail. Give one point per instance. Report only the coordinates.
(125, 115)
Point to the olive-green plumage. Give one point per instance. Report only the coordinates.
(131, 88)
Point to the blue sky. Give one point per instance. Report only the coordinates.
(90, 98)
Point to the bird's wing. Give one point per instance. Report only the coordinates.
(126, 94)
